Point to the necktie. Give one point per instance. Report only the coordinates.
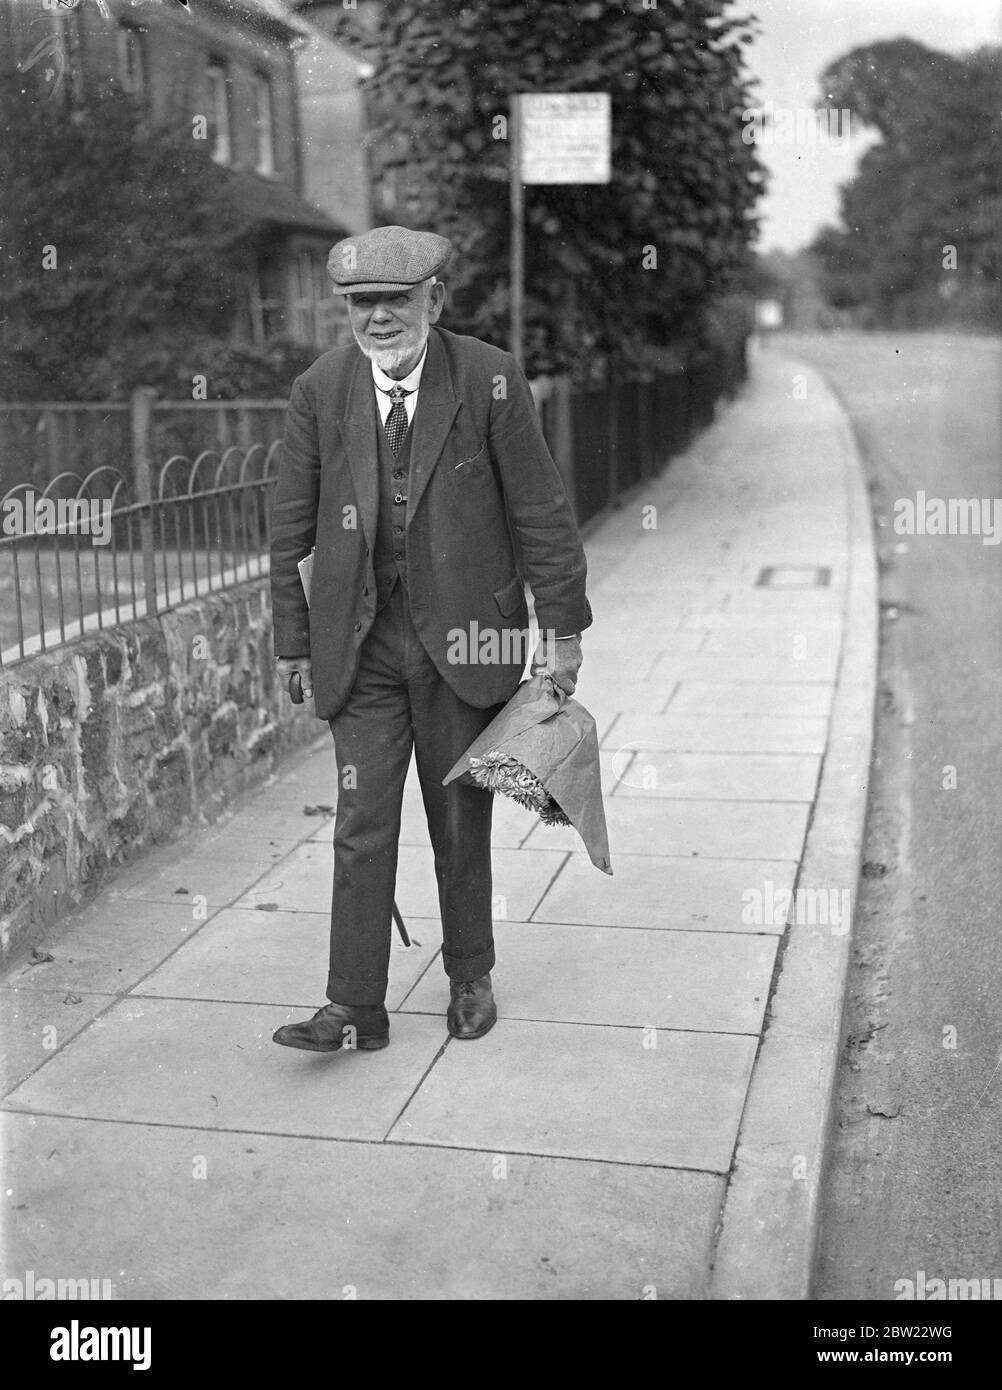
(395, 423)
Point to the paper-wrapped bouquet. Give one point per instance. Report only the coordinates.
(542, 751)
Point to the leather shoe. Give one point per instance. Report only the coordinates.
(330, 1029)
(472, 1011)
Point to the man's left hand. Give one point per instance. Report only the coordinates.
(562, 658)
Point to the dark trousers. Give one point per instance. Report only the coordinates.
(400, 701)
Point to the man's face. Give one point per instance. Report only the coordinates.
(391, 327)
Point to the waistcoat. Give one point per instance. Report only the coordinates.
(390, 558)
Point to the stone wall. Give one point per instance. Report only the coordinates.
(125, 738)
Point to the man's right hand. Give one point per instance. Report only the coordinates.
(301, 666)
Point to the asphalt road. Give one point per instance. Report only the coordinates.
(914, 1180)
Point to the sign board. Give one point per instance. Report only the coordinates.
(565, 137)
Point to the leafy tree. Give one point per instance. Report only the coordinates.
(146, 247)
(930, 184)
(683, 181)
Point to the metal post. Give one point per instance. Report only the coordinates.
(613, 458)
(563, 437)
(517, 199)
(50, 420)
(142, 434)
(645, 429)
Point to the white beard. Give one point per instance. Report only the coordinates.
(389, 359)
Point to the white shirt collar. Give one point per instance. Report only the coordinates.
(410, 382)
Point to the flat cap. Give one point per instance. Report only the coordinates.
(386, 259)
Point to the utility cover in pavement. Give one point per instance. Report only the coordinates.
(794, 577)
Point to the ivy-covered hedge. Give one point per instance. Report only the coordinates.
(684, 182)
(120, 248)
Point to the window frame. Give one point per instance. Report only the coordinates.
(221, 107)
(317, 318)
(130, 41)
(264, 125)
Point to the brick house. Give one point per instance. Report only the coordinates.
(242, 65)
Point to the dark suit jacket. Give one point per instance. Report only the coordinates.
(478, 462)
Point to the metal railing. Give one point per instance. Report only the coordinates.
(93, 551)
(90, 552)
(607, 440)
(39, 440)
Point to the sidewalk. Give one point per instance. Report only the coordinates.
(624, 1132)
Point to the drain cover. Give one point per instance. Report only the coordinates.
(794, 577)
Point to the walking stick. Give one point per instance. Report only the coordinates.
(296, 696)
(400, 925)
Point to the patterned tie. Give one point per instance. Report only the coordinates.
(395, 423)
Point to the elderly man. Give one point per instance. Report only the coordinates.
(410, 462)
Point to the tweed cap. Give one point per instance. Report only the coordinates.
(386, 259)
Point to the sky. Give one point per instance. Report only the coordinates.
(798, 38)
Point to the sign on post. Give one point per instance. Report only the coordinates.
(566, 137)
(556, 137)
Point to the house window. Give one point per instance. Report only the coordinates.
(264, 124)
(334, 329)
(219, 112)
(318, 318)
(131, 62)
(266, 304)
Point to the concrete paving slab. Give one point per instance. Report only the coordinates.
(587, 1092)
(173, 857)
(286, 832)
(627, 582)
(612, 1231)
(790, 700)
(608, 650)
(282, 824)
(217, 872)
(511, 823)
(697, 981)
(806, 651)
(36, 1023)
(413, 822)
(719, 667)
(719, 829)
(666, 894)
(214, 1066)
(759, 777)
(756, 599)
(302, 882)
(109, 946)
(283, 829)
(605, 701)
(277, 958)
(317, 782)
(521, 877)
(759, 622)
(718, 733)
